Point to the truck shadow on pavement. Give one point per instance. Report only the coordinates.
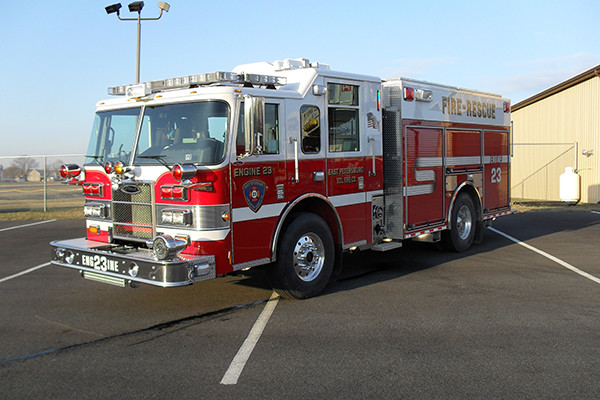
(368, 267)
(364, 268)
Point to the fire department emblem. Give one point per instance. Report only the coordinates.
(254, 193)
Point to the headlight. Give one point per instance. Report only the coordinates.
(176, 216)
(94, 210)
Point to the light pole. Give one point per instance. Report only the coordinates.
(137, 6)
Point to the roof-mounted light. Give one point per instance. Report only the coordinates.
(257, 79)
(116, 90)
(200, 79)
(147, 88)
(137, 90)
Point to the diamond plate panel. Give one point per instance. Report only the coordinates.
(392, 173)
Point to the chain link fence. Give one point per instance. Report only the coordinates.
(33, 183)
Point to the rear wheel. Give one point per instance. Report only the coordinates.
(305, 258)
(463, 222)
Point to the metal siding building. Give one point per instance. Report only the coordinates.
(556, 129)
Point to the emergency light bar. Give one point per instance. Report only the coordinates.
(146, 88)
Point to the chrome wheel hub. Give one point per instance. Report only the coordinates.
(464, 222)
(309, 257)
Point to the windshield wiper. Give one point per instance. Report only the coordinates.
(159, 158)
(96, 159)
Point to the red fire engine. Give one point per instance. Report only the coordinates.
(285, 164)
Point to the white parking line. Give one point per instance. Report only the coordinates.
(24, 272)
(23, 226)
(239, 361)
(596, 212)
(548, 256)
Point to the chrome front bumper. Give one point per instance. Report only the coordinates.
(119, 265)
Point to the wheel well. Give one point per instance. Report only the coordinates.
(473, 193)
(314, 205)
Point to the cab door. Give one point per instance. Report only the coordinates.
(257, 187)
(306, 162)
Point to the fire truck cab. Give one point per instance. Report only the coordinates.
(287, 165)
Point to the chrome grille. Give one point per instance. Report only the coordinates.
(132, 212)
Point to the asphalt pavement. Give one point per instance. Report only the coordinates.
(498, 321)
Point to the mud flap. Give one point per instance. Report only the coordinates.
(337, 266)
(479, 227)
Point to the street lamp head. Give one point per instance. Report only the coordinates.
(164, 6)
(136, 6)
(113, 8)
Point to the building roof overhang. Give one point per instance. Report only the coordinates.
(589, 74)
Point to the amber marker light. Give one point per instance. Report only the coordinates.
(119, 167)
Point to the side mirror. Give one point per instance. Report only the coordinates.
(254, 124)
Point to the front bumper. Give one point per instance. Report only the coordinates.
(119, 265)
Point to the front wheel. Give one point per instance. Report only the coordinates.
(463, 222)
(305, 258)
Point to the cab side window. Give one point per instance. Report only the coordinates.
(271, 140)
(343, 117)
(271, 134)
(310, 123)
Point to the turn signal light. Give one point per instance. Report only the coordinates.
(92, 189)
(178, 193)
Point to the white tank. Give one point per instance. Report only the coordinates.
(569, 186)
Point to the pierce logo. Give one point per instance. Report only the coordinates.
(131, 189)
(254, 193)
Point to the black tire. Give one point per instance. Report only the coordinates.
(305, 258)
(463, 224)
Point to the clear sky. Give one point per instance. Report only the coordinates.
(58, 57)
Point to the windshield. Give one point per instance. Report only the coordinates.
(174, 133)
(183, 133)
(113, 136)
